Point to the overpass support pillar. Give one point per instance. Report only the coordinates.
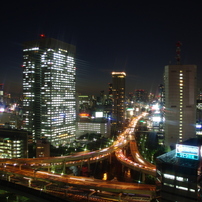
(122, 168)
(88, 197)
(143, 177)
(20, 167)
(52, 167)
(45, 186)
(81, 165)
(124, 151)
(49, 167)
(110, 159)
(64, 167)
(9, 177)
(88, 165)
(66, 191)
(120, 197)
(29, 182)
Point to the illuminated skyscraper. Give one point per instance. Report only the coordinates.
(1, 93)
(49, 104)
(180, 103)
(118, 91)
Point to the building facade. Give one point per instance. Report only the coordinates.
(13, 143)
(179, 173)
(42, 148)
(180, 103)
(118, 91)
(49, 103)
(98, 127)
(1, 93)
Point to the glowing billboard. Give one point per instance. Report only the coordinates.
(84, 115)
(187, 151)
(98, 114)
(156, 117)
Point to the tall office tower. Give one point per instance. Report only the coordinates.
(141, 96)
(49, 103)
(1, 93)
(118, 91)
(180, 103)
(161, 95)
(110, 90)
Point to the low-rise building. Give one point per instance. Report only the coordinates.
(93, 126)
(42, 148)
(179, 173)
(13, 143)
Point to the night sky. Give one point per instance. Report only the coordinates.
(132, 36)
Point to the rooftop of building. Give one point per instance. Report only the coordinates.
(49, 43)
(13, 133)
(171, 158)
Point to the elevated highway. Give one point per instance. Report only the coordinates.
(150, 170)
(22, 167)
(139, 163)
(81, 157)
(74, 181)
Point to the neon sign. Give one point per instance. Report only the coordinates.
(187, 151)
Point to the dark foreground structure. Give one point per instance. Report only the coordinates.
(179, 175)
(33, 194)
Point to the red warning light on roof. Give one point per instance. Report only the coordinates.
(42, 35)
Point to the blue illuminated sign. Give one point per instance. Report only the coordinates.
(187, 151)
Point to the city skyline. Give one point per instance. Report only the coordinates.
(135, 38)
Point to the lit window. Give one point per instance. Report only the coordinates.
(170, 185)
(168, 176)
(181, 179)
(183, 188)
(192, 190)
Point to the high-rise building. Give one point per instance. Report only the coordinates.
(118, 91)
(110, 95)
(49, 103)
(1, 93)
(161, 95)
(13, 143)
(141, 96)
(180, 103)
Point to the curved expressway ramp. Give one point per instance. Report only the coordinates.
(79, 158)
(137, 156)
(71, 160)
(139, 163)
(133, 165)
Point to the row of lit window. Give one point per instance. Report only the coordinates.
(180, 187)
(181, 105)
(65, 78)
(172, 177)
(63, 92)
(30, 49)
